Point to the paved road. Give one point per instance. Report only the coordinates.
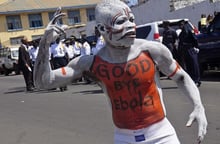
(81, 115)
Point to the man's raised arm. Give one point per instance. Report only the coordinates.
(42, 69)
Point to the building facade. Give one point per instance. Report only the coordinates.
(158, 10)
(21, 18)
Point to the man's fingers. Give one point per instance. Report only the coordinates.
(202, 133)
(199, 115)
(190, 121)
(58, 29)
(58, 11)
(57, 17)
(199, 140)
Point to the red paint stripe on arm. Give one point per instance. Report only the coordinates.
(63, 71)
(177, 67)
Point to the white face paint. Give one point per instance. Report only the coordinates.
(120, 31)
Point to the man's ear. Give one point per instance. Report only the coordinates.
(101, 28)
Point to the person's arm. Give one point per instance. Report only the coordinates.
(44, 76)
(171, 68)
(188, 87)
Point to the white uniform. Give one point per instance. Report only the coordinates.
(57, 50)
(33, 53)
(77, 48)
(100, 44)
(86, 49)
(70, 51)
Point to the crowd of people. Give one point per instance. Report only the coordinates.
(183, 45)
(61, 52)
(205, 21)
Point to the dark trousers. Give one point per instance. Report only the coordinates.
(59, 62)
(28, 77)
(192, 64)
(173, 50)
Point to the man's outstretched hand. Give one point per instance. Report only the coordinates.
(198, 114)
(53, 30)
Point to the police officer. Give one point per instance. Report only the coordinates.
(170, 38)
(58, 55)
(33, 51)
(77, 48)
(100, 43)
(69, 49)
(189, 52)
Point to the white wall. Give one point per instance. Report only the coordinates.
(154, 10)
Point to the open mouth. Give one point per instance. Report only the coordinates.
(131, 34)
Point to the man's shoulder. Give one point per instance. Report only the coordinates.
(140, 42)
(153, 47)
(21, 46)
(146, 44)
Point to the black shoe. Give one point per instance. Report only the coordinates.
(198, 84)
(52, 89)
(30, 89)
(61, 89)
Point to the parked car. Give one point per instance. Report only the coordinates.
(2, 71)
(209, 45)
(9, 60)
(154, 30)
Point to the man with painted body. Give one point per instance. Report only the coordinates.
(126, 69)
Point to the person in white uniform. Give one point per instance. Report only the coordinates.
(33, 51)
(77, 48)
(100, 42)
(58, 56)
(69, 49)
(86, 48)
(127, 71)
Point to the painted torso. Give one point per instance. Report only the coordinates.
(132, 91)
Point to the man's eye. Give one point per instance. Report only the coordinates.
(131, 19)
(120, 22)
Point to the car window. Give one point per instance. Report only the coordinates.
(14, 53)
(189, 27)
(143, 32)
